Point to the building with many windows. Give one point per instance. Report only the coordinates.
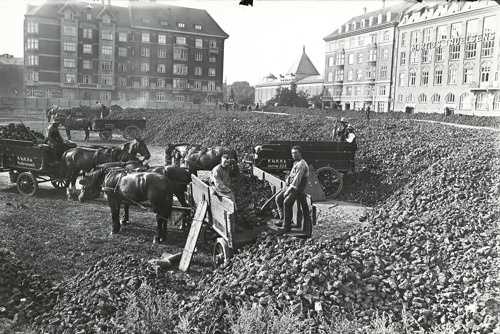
(359, 60)
(146, 51)
(448, 59)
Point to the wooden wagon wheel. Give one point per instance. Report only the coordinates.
(208, 237)
(221, 253)
(27, 184)
(105, 134)
(59, 183)
(131, 132)
(331, 181)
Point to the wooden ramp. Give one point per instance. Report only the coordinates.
(187, 254)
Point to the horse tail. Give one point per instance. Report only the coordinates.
(63, 168)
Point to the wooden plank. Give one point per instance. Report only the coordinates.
(222, 211)
(199, 191)
(194, 232)
(313, 187)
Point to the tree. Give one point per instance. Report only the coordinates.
(231, 95)
(242, 92)
(315, 101)
(290, 97)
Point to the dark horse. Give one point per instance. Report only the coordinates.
(207, 158)
(69, 122)
(120, 185)
(85, 159)
(175, 153)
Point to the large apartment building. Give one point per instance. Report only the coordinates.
(145, 51)
(359, 60)
(448, 59)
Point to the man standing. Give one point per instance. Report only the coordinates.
(221, 180)
(296, 183)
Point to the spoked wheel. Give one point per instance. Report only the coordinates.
(59, 183)
(208, 237)
(331, 181)
(131, 132)
(222, 252)
(105, 134)
(27, 184)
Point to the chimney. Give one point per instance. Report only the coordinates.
(383, 3)
(364, 10)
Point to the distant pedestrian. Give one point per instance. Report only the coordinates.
(367, 113)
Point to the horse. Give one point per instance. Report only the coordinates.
(85, 159)
(175, 153)
(120, 185)
(72, 123)
(207, 158)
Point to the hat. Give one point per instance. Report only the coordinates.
(343, 120)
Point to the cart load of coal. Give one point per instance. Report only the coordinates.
(19, 132)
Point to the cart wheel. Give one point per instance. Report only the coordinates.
(131, 132)
(222, 252)
(105, 134)
(331, 181)
(59, 183)
(27, 184)
(208, 237)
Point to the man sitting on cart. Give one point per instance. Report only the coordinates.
(221, 180)
(296, 184)
(55, 140)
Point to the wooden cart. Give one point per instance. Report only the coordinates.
(29, 164)
(329, 158)
(214, 220)
(130, 128)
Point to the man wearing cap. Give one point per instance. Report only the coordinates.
(341, 130)
(53, 135)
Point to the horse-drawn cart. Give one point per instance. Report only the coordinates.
(130, 128)
(329, 158)
(214, 220)
(30, 163)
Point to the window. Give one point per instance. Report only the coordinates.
(414, 57)
(426, 56)
(68, 15)
(485, 72)
(339, 75)
(197, 84)
(351, 42)
(162, 53)
(32, 27)
(70, 78)
(107, 50)
(350, 59)
(87, 64)
(381, 107)
(180, 69)
(197, 71)
(160, 96)
(436, 98)
(162, 39)
(412, 79)
(357, 90)
(360, 58)
(198, 42)
(211, 72)
(340, 59)
(468, 75)
(349, 75)
(212, 58)
(144, 67)
(87, 79)
(144, 96)
(122, 96)
(422, 98)
(401, 79)
(32, 44)
(122, 67)
(400, 97)
(197, 27)
(69, 47)
(489, 27)
(414, 37)
(87, 33)
(107, 81)
(438, 76)
(482, 102)
(361, 40)
(212, 43)
(402, 58)
(180, 40)
(69, 62)
(163, 22)
(122, 37)
(456, 30)
(146, 20)
(372, 55)
(145, 52)
(370, 74)
(179, 83)
(181, 25)
(89, 16)
(359, 74)
(87, 48)
(107, 65)
(178, 98)
(68, 93)
(329, 77)
(441, 34)
(181, 54)
(144, 82)
(386, 36)
(409, 98)
(161, 68)
(496, 102)
(32, 76)
(454, 51)
(382, 90)
(122, 52)
(425, 77)
(69, 31)
(439, 52)
(348, 91)
(32, 60)
(198, 56)
(211, 85)
(47, 92)
(403, 39)
(385, 54)
(145, 37)
(471, 32)
(160, 82)
(450, 98)
(465, 102)
(452, 75)
(122, 82)
(107, 34)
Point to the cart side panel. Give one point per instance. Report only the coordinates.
(22, 154)
(107, 124)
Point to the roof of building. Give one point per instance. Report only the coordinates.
(303, 66)
(7, 59)
(313, 79)
(396, 12)
(138, 14)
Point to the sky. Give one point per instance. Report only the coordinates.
(266, 38)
